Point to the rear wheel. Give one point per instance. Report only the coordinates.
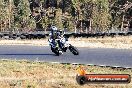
(74, 50)
(64, 49)
(56, 51)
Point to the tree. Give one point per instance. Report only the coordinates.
(100, 15)
(2, 13)
(22, 16)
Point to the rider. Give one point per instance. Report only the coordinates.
(56, 34)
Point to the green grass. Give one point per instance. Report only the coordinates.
(26, 74)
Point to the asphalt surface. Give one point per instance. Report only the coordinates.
(96, 56)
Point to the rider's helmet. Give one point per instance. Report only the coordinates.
(54, 31)
(53, 28)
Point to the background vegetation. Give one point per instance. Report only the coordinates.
(73, 15)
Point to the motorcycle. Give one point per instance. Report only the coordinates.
(59, 47)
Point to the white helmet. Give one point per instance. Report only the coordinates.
(54, 28)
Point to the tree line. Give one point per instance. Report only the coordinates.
(72, 15)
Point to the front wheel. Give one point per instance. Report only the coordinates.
(74, 50)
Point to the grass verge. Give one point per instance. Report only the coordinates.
(29, 74)
(118, 42)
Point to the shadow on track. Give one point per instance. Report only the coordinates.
(28, 54)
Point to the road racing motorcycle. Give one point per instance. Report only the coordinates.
(61, 45)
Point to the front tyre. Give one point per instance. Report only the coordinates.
(74, 50)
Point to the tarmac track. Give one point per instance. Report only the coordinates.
(96, 56)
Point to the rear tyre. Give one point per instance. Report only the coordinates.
(56, 51)
(74, 50)
(64, 49)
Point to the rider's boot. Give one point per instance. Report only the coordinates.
(60, 52)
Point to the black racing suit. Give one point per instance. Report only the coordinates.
(53, 37)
